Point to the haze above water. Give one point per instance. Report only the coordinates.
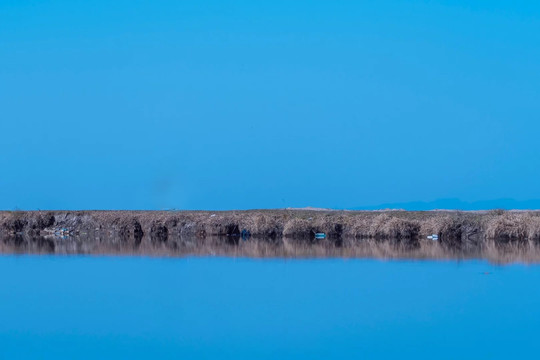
(136, 307)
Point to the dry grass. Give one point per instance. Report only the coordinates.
(498, 234)
(516, 226)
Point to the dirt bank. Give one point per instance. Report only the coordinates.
(201, 231)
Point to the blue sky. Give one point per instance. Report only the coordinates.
(242, 104)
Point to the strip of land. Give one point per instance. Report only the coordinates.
(512, 235)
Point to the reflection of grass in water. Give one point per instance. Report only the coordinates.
(496, 252)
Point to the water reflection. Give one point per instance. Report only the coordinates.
(159, 245)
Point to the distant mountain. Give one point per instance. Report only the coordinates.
(456, 204)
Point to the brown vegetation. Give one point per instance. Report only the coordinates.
(386, 234)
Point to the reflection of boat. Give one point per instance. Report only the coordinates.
(62, 233)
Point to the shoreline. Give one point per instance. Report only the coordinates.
(507, 235)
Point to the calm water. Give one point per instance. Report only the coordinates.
(135, 307)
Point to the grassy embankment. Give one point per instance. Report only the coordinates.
(387, 234)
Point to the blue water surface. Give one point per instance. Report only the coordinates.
(163, 308)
